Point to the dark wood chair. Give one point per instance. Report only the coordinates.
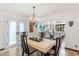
(58, 45)
(55, 50)
(24, 45)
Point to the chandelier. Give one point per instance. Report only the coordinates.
(34, 19)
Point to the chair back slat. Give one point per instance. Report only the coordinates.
(58, 45)
(24, 44)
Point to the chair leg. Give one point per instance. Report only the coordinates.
(41, 54)
(28, 54)
(37, 53)
(47, 54)
(22, 53)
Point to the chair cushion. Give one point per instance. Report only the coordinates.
(31, 49)
(51, 51)
(54, 47)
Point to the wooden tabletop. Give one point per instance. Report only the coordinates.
(44, 46)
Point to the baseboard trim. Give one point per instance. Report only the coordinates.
(1, 49)
(71, 49)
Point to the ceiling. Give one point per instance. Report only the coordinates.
(25, 9)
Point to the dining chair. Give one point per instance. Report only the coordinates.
(57, 47)
(55, 50)
(25, 47)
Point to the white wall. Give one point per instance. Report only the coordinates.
(72, 33)
(4, 18)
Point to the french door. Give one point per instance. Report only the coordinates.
(14, 30)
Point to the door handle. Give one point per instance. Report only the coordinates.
(17, 33)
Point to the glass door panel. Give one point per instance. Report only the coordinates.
(12, 33)
(21, 27)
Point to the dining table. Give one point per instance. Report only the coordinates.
(43, 46)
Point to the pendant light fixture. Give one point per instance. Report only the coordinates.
(33, 18)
